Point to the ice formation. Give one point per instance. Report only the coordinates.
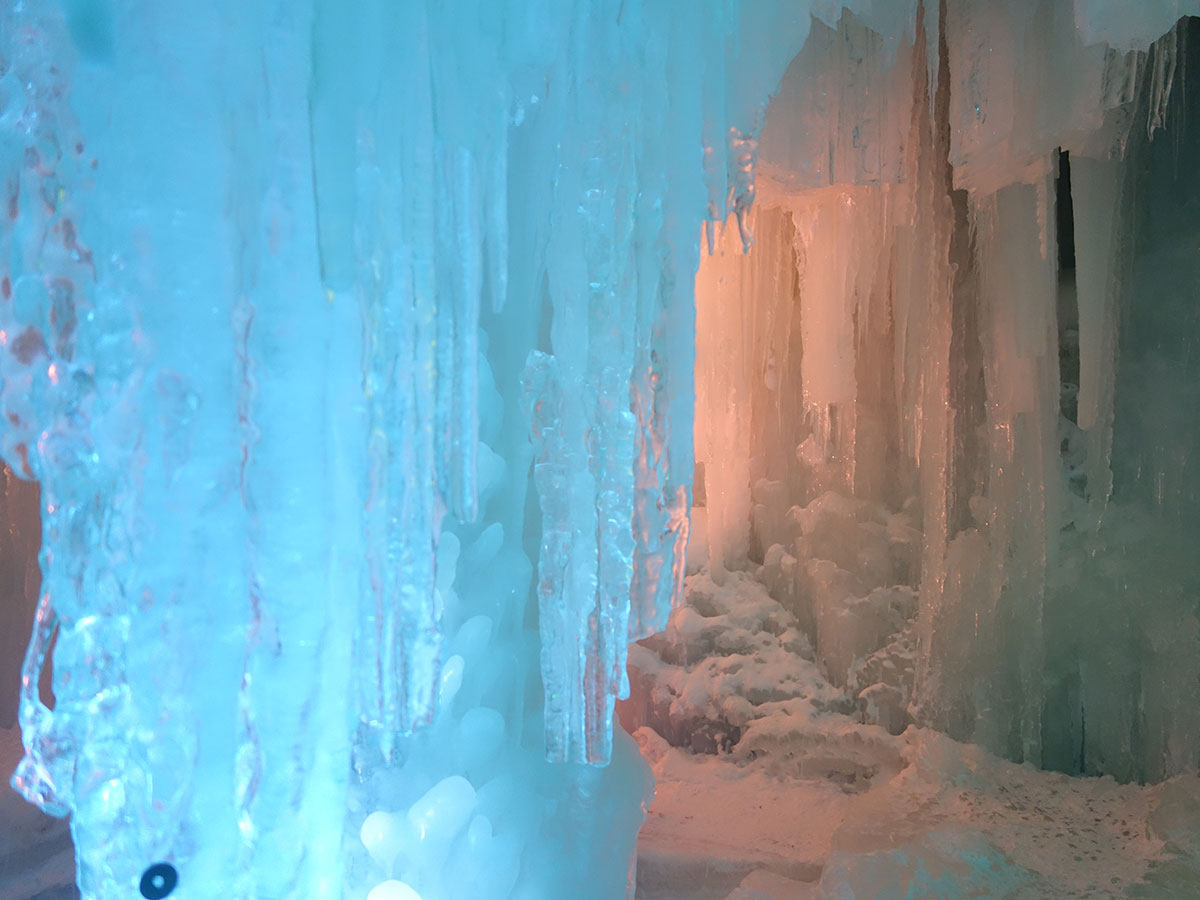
(930, 394)
(815, 805)
(353, 352)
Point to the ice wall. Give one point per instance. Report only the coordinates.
(964, 408)
(1128, 673)
(353, 354)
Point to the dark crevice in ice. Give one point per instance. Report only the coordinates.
(1066, 213)
(1068, 302)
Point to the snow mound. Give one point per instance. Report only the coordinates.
(783, 791)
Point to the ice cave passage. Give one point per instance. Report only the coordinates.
(940, 496)
(359, 405)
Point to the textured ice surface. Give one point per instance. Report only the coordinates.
(930, 399)
(353, 352)
(246, 257)
(284, 290)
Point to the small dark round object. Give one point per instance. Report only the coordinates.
(158, 881)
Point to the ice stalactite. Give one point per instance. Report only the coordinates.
(598, 379)
(931, 336)
(1023, 507)
(284, 289)
(324, 330)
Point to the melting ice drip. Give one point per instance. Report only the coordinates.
(284, 290)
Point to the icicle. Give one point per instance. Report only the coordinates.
(496, 206)
(563, 635)
(40, 777)
(1018, 286)
(460, 279)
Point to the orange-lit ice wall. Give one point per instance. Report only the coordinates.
(729, 369)
(784, 335)
(749, 406)
(779, 330)
(882, 400)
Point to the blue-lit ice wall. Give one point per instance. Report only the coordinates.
(608, 390)
(353, 355)
(198, 553)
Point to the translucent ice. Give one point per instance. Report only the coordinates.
(353, 351)
(383, 836)
(907, 338)
(392, 890)
(271, 277)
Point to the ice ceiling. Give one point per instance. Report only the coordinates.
(357, 353)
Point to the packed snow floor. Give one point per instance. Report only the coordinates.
(784, 794)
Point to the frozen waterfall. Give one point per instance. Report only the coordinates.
(364, 355)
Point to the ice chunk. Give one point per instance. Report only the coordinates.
(937, 861)
(443, 810)
(392, 890)
(384, 835)
(452, 675)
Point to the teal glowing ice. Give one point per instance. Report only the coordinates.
(286, 287)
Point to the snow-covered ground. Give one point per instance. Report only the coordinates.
(786, 795)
